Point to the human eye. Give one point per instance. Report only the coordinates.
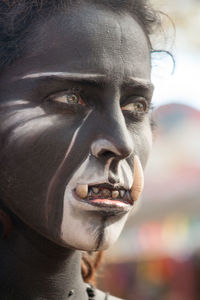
(139, 105)
(67, 98)
(136, 107)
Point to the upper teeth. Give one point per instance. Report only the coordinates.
(82, 190)
(115, 194)
(106, 193)
(95, 190)
(122, 193)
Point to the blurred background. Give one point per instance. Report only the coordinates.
(158, 254)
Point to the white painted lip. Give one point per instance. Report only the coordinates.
(102, 205)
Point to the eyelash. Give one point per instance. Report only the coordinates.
(51, 99)
(134, 115)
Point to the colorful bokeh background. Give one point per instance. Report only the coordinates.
(158, 254)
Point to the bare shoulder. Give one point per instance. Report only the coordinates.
(103, 296)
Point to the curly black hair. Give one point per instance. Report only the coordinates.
(17, 16)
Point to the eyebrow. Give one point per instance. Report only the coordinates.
(93, 77)
(65, 75)
(139, 82)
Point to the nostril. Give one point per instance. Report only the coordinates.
(106, 154)
(103, 148)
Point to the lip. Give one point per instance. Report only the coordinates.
(116, 206)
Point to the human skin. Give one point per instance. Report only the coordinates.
(48, 147)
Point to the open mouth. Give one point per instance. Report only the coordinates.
(103, 194)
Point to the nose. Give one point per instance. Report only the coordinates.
(115, 140)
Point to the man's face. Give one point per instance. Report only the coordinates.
(73, 113)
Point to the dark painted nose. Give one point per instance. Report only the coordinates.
(114, 140)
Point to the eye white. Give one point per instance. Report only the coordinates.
(67, 98)
(138, 107)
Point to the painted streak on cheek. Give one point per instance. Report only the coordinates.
(15, 123)
(33, 148)
(27, 126)
(56, 189)
(15, 113)
(39, 142)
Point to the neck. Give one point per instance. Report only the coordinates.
(33, 267)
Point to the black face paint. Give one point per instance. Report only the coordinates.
(51, 141)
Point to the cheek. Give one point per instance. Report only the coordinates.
(146, 144)
(33, 145)
(34, 154)
(143, 141)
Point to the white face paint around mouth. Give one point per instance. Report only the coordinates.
(88, 227)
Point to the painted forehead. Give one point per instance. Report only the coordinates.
(90, 37)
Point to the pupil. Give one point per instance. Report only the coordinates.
(139, 107)
(72, 98)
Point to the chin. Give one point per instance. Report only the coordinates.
(92, 232)
(112, 232)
